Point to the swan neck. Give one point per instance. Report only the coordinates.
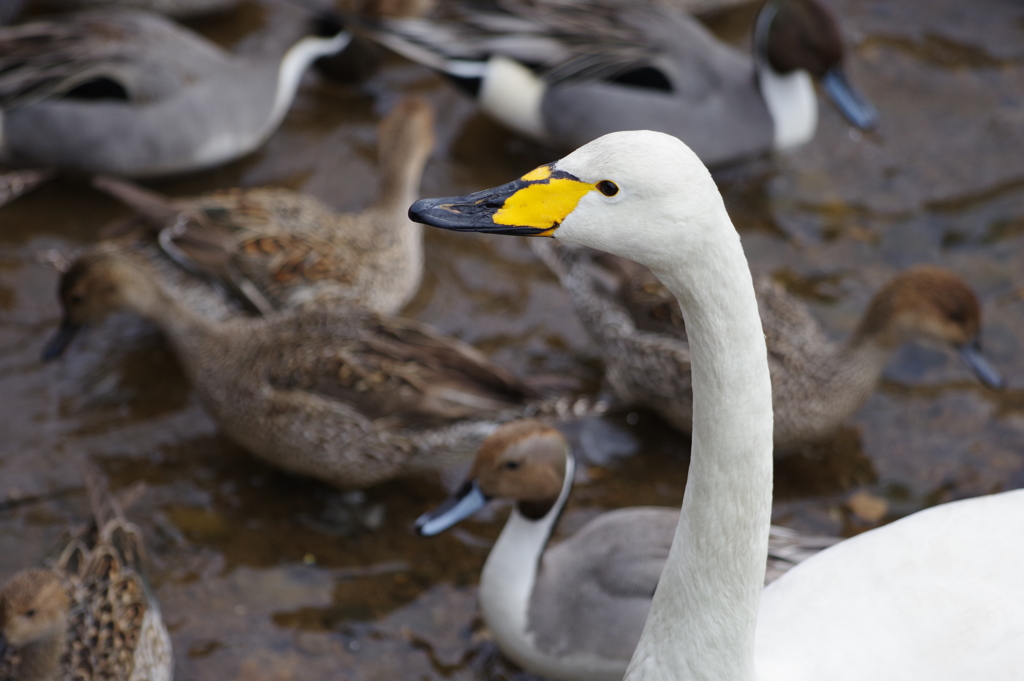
(704, 612)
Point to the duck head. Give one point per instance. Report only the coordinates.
(33, 609)
(933, 305)
(524, 461)
(99, 282)
(801, 36)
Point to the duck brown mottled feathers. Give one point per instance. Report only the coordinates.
(91, 614)
(816, 383)
(394, 369)
(343, 394)
(274, 248)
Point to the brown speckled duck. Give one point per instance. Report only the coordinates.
(347, 396)
(91, 615)
(275, 248)
(816, 384)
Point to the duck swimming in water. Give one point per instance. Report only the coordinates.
(344, 395)
(89, 615)
(930, 596)
(573, 611)
(132, 93)
(566, 73)
(274, 248)
(816, 384)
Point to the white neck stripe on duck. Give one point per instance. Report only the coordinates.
(294, 65)
(512, 565)
(790, 97)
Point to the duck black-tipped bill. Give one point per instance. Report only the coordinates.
(985, 372)
(466, 501)
(851, 103)
(60, 341)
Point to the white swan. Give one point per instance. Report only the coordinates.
(938, 595)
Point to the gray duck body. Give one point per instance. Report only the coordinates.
(131, 93)
(179, 9)
(714, 102)
(566, 73)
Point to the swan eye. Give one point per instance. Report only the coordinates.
(607, 187)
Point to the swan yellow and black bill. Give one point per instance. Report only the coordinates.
(533, 205)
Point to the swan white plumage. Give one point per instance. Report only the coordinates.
(936, 596)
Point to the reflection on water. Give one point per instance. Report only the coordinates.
(266, 576)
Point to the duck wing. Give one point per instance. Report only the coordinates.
(791, 333)
(593, 590)
(648, 367)
(583, 40)
(113, 54)
(204, 243)
(389, 368)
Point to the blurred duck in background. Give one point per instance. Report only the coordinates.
(92, 614)
(567, 72)
(274, 248)
(132, 93)
(816, 384)
(574, 611)
(9, 10)
(347, 396)
(179, 9)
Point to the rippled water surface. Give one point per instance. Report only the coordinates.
(266, 576)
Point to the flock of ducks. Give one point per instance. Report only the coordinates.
(284, 314)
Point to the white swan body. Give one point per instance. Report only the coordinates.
(938, 595)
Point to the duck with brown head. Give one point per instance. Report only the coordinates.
(343, 394)
(566, 73)
(573, 611)
(817, 384)
(89, 615)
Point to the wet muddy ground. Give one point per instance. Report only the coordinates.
(266, 576)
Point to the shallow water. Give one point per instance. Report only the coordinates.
(266, 576)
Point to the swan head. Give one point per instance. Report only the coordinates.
(801, 35)
(934, 305)
(525, 461)
(33, 608)
(642, 195)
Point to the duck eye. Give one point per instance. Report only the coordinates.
(957, 316)
(607, 187)
(30, 612)
(511, 465)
